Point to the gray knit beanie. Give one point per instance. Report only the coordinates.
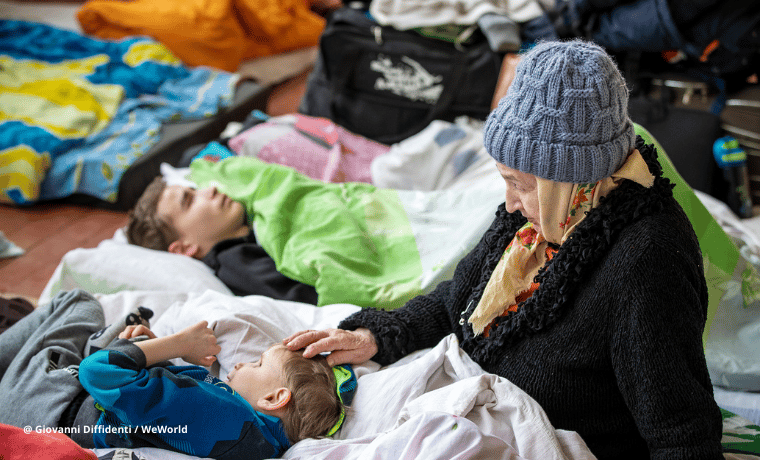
(565, 115)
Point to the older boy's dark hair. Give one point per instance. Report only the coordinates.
(314, 406)
(145, 228)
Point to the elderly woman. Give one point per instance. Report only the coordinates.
(588, 289)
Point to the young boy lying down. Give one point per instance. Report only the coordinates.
(126, 395)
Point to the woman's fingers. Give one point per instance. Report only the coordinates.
(357, 356)
(327, 344)
(359, 346)
(303, 339)
(353, 347)
(288, 339)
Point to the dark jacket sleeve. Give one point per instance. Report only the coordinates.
(426, 319)
(657, 351)
(244, 267)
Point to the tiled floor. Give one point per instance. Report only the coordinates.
(47, 231)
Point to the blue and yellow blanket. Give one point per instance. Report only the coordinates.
(76, 112)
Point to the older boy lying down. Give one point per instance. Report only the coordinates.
(353, 242)
(208, 225)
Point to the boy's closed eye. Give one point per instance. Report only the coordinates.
(187, 198)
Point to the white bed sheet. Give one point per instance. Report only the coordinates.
(443, 405)
(744, 403)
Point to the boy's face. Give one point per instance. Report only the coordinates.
(257, 380)
(201, 218)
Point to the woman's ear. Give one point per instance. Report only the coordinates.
(274, 400)
(184, 248)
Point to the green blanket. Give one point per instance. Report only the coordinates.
(733, 283)
(351, 241)
(740, 435)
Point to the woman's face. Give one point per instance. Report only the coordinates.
(522, 194)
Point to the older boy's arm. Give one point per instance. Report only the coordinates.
(195, 344)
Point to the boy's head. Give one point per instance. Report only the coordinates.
(303, 392)
(184, 220)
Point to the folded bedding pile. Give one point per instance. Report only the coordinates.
(78, 111)
(316, 147)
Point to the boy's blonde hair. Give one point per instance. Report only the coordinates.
(145, 228)
(314, 406)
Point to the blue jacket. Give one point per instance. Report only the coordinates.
(180, 408)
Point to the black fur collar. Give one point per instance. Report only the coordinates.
(574, 261)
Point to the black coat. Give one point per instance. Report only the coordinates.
(610, 344)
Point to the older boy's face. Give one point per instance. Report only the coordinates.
(257, 379)
(203, 217)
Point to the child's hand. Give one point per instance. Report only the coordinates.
(195, 344)
(136, 331)
(199, 344)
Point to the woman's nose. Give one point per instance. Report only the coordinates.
(508, 205)
(512, 203)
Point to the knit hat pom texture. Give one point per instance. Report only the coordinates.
(565, 115)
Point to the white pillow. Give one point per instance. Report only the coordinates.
(115, 266)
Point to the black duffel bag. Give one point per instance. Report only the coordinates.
(387, 85)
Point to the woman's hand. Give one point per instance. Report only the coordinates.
(352, 347)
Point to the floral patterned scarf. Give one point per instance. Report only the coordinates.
(526, 253)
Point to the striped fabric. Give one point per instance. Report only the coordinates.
(76, 112)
